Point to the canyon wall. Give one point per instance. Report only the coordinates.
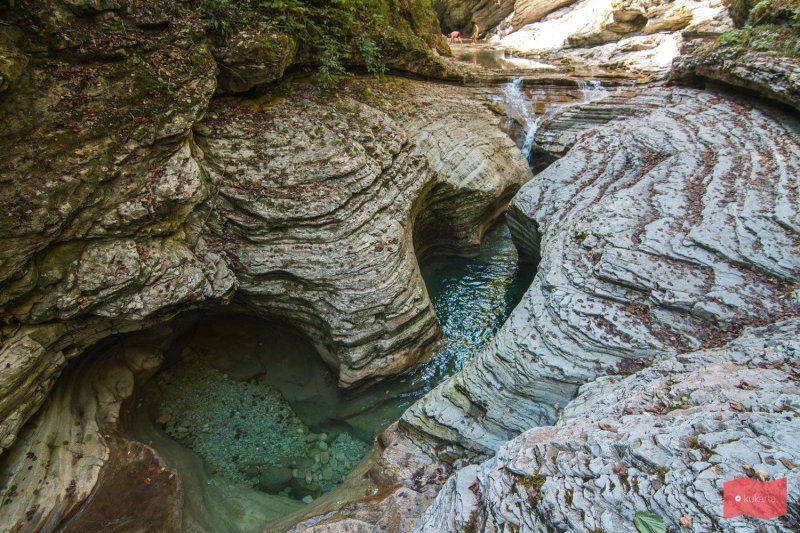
(131, 193)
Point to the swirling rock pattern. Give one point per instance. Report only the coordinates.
(105, 200)
(670, 231)
(655, 355)
(664, 440)
(320, 208)
(310, 207)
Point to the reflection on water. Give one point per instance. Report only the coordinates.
(496, 59)
(265, 422)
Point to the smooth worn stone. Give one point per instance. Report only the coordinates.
(673, 463)
(627, 367)
(274, 478)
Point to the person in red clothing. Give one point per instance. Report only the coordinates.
(455, 36)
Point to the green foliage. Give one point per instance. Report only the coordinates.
(333, 33)
(372, 55)
(330, 71)
(778, 12)
(773, 40)
(217, 11)
(649, 523)
(734, 38)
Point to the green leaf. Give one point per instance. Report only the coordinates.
(649, 523)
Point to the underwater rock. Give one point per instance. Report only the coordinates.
(274, 478)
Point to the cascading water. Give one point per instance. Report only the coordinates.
(529, 109)
(592, 90)
(519, 107)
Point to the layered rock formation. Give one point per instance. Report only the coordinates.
(72, 450)
(655, 355)
(775, 78)
(322, 224)
(666, 232)
(123, 208)
(664, 440)
(101, 168)
(762, 58)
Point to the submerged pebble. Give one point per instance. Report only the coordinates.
(248, 432)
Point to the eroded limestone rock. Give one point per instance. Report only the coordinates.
(665, 232)
(107, 200)
(320, 208)
(59, 458)
(664, 439)
(773, 77)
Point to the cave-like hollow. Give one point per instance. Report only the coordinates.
(236, 419)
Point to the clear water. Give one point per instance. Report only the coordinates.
(495, 58)
(262, 415)
(528, 107)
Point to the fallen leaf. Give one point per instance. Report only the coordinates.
(736, 406)
(649, 523)
(788, 463)
(658, 409)
(620, 469)
(687, 521)
(749, 470)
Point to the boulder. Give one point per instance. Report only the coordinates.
(251, 58)
(274, 478)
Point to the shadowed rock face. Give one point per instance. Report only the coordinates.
(60, 459)
(461, 15)
(774, 78)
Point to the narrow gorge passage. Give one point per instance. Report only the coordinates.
(399, 266)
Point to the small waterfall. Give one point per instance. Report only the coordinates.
(520, 108)
(531, 111)
(592, 90)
